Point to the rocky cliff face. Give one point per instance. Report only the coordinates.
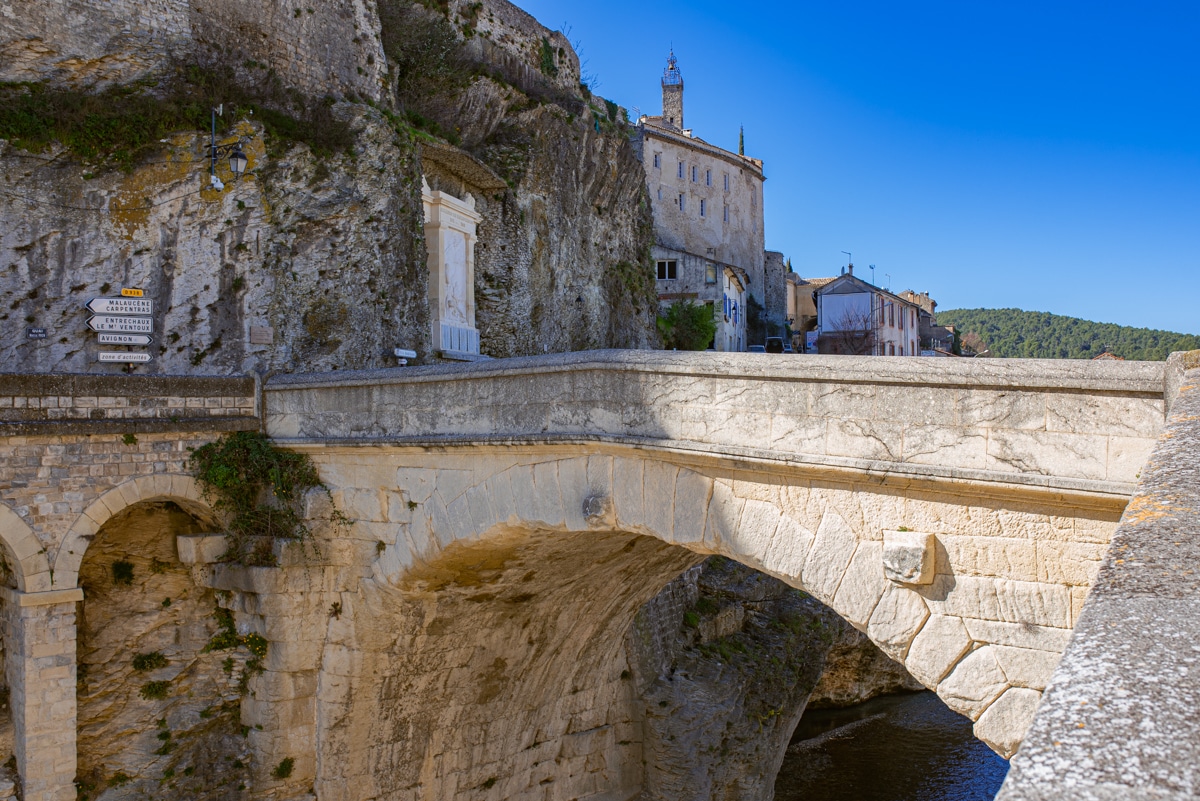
(317, 261)
(725, 661)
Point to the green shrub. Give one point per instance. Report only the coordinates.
(155, 690)
(284, 769)
(151, 661)
(122, 572)
(687, 326)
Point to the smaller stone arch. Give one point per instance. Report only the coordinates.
(180, 489)
(25, 551)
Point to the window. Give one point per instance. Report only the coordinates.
(727, 214)
(708, 177)
(703, 207)
(891, 348)
(681, 169)
(658, 161)
(912, 348)
(695, 174)
(726, 182)
(660, 193)
(668, 270)
(710, 273)
(891, 307)
(682, 203)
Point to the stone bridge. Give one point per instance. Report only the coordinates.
(464, 637)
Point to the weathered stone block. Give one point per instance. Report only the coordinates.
(974, 683)
(200, 549)
(936, 648)
(1003, 725)
(908, 557)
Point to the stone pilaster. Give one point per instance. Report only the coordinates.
(39, 637)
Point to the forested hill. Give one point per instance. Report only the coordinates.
(1013, 333)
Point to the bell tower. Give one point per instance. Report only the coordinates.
(672, 88)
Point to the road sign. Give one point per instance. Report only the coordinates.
(132, 293)
(120, 306)
(127, 325)
(35, 333)
(124, 357)
(124, 339)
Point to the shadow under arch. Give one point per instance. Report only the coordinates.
(180, 489)
(487, 654)
(26, 554)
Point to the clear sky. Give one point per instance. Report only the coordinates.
(997, 153)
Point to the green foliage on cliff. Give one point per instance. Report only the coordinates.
(259, 487)
(120, 124)
(1013, 333)
(687, 326)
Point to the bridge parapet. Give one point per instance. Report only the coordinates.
(1068, 426)
(1119, 716)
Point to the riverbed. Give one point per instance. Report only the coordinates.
(895, 748)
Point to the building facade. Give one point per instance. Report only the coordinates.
(708, 216)
(858, 318)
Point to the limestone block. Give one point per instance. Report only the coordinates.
(1073, 563)
(908, 557)
(397, 504)
(479, 504)
(547, 502)
(200, 549)
(896, 620)
(861, 587)
(1127, 456)
(755, 530)
(724, 516)
(628, 489)
(1003, 725)
(690, 502)
(500, 490)
(1027, 667)
(829, 557)
(937, 647)
(999, 557)
(1048, 453)
(789, 548)
(659, 497)
(798, 434)
(945, 445)
(984, 408)
(1043, 638)
(1031, 603)
(974, 683)
(866, 439)
(600, 474)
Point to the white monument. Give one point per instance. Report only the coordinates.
(450, 238)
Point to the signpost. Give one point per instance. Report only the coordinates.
(127, 325)
(106, 356)
(120, 306)
(124, 339)
(126, 320)
(35, 333)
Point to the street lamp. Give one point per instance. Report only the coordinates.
(237, 159)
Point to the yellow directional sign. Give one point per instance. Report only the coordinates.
(131, 293)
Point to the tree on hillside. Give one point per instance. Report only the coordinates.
(1013, 333)
(687, 326)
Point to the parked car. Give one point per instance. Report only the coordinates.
(787, 348)
(774, 345)
(757, 349)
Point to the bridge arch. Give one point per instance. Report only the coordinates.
(830, 554)
(25, 552)
(180, 489)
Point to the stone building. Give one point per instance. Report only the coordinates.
(708, 216)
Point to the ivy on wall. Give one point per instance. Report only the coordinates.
(259, 488)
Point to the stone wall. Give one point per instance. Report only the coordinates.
(514, 42)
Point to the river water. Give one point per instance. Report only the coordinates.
(895, 748)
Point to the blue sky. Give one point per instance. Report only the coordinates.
(997, 153)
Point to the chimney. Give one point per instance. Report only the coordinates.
(852, 268)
